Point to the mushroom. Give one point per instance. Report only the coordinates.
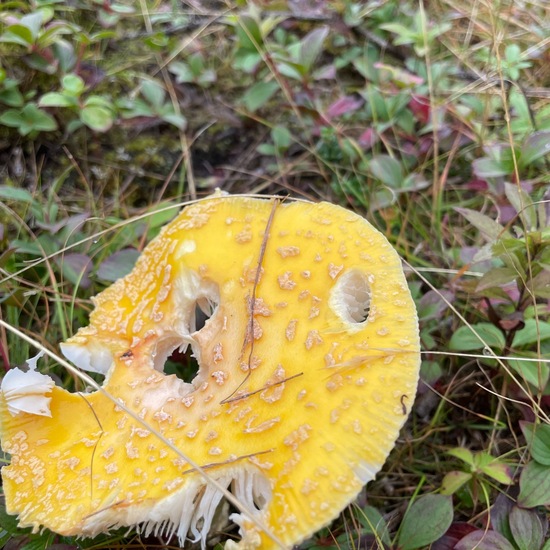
(308, 365)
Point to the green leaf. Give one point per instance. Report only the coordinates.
(425, 521)
(4, 537)
(266, 149)
(74, 125)
(55, 99)
(496, 277)
(282, 138)
(64, 52)
(512, 52)
(9, 522)
(206, 77)
(134, 107)
(11, 95)
(490, 168)
(76, 268)
(290, 69)
(26, 247)
(118, 265)
(388, 170)
(182, 71)
(533, 332)
(510, 247)
(498, 471)
(526, 528)
(430, 372)
(11, 118)
(50, 35)
(535, 372)
(161, 215)
(73, 84)
(259, 94)
(17, 34)
(514, 260)
(534, 485)
(453, 481)
(248, 32)
(405, 35)
(382, 198)
(500, 513)
(40, 63)
(465, 340)
(522, 204)
(196, 63)
(15, 194)
(108, 18)
(122, 9)
(153, 93)
(541, 284)
(463, 454)
(311, 46)
(96, 118)
(99, 101)
(38, 542)
(373, 522)
(33, 21)
(538, 439)
(267, 24)
(179, 121)
(38, 119)
(489, 228)
(534, 147)
(29, 119)
(247, 61)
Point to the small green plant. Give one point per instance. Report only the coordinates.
(482, 470)
(512, 62)
(517, 522)
(152, 104)
(193, 70)
(53, 52)
(503, 160)
(514, 325)
(417, 32)
(94, 111)
(29, 120)
(44, 45)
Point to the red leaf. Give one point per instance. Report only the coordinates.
(476, 185)
(420, 107)
(368, 138)
(346, 104)
(456, 532)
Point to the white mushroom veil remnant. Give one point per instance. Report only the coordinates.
(309, 351)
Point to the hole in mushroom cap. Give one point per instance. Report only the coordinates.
(183, 364)
(181, 355)
(205, 307)
(351, 296)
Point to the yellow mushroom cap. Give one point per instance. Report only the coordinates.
(307, 367)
